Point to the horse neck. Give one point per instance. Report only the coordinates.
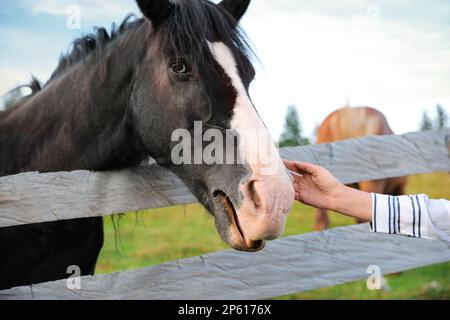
(79, 120)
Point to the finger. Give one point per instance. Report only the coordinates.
(296, 174)
(289, 164)
(306, 167)
(291, 168)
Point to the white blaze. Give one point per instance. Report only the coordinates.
(256, 145)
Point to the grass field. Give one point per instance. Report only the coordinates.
(148, 238)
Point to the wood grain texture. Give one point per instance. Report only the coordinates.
(286, 266)
(34, 198)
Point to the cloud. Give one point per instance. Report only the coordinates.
(90, 9)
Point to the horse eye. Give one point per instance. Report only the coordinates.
(180, 68)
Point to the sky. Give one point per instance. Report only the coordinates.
(318, 55)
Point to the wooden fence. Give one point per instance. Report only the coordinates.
(289, 265)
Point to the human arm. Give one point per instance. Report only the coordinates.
(415, 216)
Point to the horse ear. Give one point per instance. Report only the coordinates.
(157, 11)
(236, 8)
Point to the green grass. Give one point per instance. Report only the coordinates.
(143, 239)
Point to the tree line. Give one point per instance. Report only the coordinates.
(440, 122)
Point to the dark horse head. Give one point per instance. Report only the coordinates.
(197, 68)
(116, 99)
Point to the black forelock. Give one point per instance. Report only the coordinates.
(192, 23)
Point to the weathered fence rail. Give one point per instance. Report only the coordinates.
(287, 266)
(290, 265)
(35, 198)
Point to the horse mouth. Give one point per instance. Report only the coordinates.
(239, 240)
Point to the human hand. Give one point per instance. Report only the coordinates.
(317, 187)
(314, 185)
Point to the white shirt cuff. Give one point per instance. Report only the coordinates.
(405, 215)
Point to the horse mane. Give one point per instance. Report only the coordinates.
(80, 49)
(94, 42)
(186, 32)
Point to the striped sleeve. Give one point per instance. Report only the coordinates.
(415, 216)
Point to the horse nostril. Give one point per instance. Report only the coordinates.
(254, 194)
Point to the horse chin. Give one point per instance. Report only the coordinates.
(233, 233)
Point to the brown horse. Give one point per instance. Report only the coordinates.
(348, 123)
